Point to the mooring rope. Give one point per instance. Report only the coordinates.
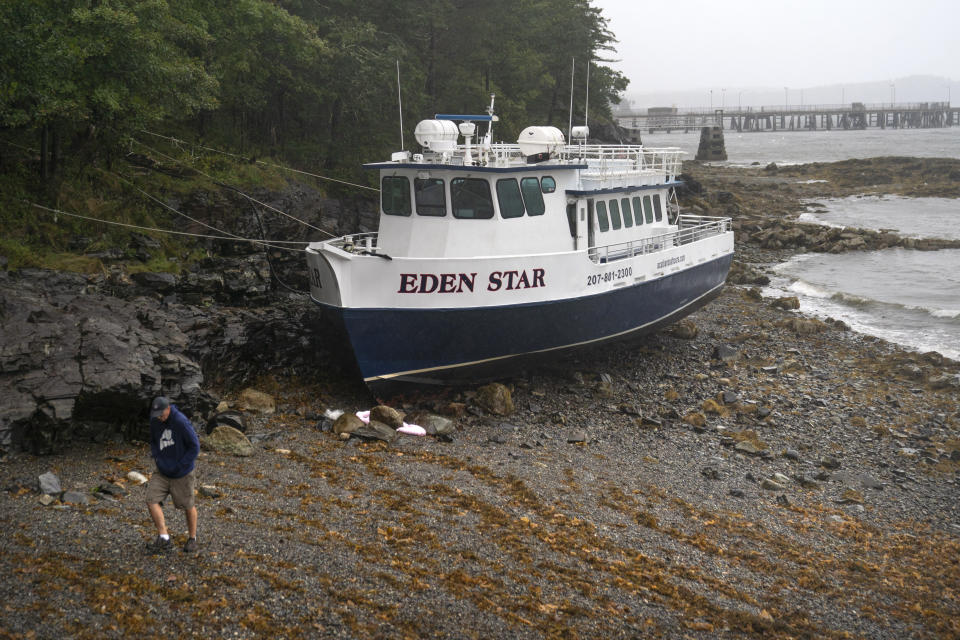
(266, 243)
(266, 164)
(226, 186)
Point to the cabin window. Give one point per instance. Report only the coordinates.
(602, 216)
(615, 214)
(532, 196)
(627, 216)
(656, 207)
(508, 195)
(548, 184)
(647, 209)
(395, 195)
(471, 198)
(430, 197)
(637, 211)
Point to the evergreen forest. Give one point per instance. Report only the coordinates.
(307, 83)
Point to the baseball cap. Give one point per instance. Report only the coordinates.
(160, 404)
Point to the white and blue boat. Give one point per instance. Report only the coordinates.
(489, 254)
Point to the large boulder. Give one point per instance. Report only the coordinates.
(495, 398)
(70, 356)
(229, 441)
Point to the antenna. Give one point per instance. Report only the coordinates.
(586, 108)
(573, 65)
(400, 104)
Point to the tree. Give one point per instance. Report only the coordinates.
(101, 71)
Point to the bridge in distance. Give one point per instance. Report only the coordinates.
(857, 115)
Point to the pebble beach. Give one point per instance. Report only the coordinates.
(748, 472)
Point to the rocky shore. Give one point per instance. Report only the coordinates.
(748, 472)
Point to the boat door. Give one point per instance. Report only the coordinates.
(591, 232)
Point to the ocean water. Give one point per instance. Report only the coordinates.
(905, 296)
(909, 217)
(800, 147)
(908, 297)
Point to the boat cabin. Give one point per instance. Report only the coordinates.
(538, 196)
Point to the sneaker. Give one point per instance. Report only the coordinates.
(191, 545)
(161, 545)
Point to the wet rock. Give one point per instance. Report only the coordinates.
(347, 424)
(159, 282)
(710, 473)
(232, 419)
(629, 409)
(724, 353)
(49, 483)
(75, 497)
(829, 462)
(945, 381)
(786, 302)
(229, 441)
(376, 430)
(686, 329)
(746, 274)
(804, 326)
(745, 446)
(257, 401)
(387, 415)
(806, 480)
(73, 356)
(209, 491)
(112, 489)
(434, 425)
(695, 419)
(495, 398)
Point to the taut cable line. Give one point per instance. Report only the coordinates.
(266, 243)
(266, 164)
(232, 188)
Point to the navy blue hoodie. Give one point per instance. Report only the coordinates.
(174, 444)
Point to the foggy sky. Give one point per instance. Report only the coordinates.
(690, 44)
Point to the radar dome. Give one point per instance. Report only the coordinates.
(436, 135)
(534, 140)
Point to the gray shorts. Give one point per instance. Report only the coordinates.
(180, 489)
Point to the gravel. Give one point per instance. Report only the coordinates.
(802, 483)
(577, 517)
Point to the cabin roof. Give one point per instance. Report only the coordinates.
(472, 168)
(597, 192)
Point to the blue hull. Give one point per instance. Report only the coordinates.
(435, 345)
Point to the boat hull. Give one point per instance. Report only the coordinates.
(459, 344)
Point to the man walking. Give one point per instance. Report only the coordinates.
(174, 446)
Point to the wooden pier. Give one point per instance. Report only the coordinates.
(913, 115)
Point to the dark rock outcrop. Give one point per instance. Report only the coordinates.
(82, 356)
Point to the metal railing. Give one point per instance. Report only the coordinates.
(601, 157)
(691, 229)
